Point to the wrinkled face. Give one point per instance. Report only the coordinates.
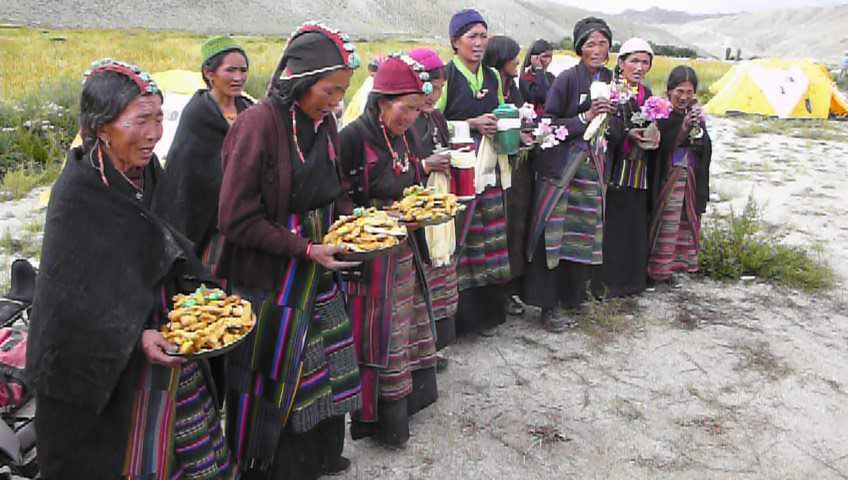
(132, 136)
(595, 51)
(433, 98)
(682, 96)
(230, 77)
(324, 97)
(511, 67)
(546, 58)
(471, 46)
(400, 113)
(636, 67)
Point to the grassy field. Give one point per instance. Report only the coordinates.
(42, 71)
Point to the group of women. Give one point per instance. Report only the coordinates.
(249, 192)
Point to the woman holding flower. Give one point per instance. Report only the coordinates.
(566, 232)
(626, 226)
(681, 180)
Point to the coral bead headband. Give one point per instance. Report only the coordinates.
(142, 79)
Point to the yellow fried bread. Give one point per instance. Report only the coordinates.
(427, 204)
(366, 230)
(207, 320)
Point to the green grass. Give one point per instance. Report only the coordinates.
(736, 245)
(821, 130)
(40, 84)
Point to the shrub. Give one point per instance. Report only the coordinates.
(736, 245)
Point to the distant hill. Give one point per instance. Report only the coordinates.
(525, 20)
(654, 16)
(819, 32)
(811, 32)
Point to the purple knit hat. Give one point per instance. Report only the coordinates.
(464, 18)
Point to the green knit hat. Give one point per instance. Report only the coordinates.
(216, 45)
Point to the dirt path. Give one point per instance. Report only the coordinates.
(705, 381)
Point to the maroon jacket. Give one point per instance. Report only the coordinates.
(254, 199)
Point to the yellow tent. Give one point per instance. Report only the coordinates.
(778, 88)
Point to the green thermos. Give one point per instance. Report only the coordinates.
(508, 138)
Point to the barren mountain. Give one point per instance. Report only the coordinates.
(818, 33)
(655, 16)
(524, 20)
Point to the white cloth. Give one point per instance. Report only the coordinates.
(441, 239)
(488, 164)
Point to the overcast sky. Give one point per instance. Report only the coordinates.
(711, 6)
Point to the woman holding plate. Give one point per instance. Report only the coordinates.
(291, 384)
(389, 302)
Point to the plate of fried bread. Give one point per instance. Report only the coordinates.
(426, 206)
(367, 234)
(207, 323)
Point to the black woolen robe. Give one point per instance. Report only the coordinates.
(187, 196)
(104, 261)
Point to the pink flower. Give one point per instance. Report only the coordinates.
(561, 133)
(656, 108)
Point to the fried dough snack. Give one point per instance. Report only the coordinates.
(427, 204)
(207, 320)
(366, 230)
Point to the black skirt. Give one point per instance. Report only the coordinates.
(625, 269)
(305, 456)
(566, 286)
(480, 309)
(392, 425)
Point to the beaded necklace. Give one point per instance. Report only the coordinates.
(294, 136)
(399, 165)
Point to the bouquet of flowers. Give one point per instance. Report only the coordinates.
(547, 135)
(652, 110)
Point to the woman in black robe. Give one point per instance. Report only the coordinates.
(535, 79)
(390, 303)
(502, 55)
(625, 268)
(290, 385)
(681, 180)
(431, 130)
(187, 196)
(566, 234)
(111, 403)
(472, 92)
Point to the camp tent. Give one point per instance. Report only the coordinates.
(561, 63)
(178, 86)
(777, 88)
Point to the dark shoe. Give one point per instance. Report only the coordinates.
(514, 307)
(553, 322)
(489, 332)
(337, 467)
(441, 363)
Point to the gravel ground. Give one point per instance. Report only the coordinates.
(702, 380)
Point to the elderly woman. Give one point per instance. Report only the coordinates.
(187, 196)
(431, 130)
(535, 79)
(626, 226)
(472, 92)
(111, 403)
(681, 180)
(390, 305)
(292, 383)
(566, 233)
